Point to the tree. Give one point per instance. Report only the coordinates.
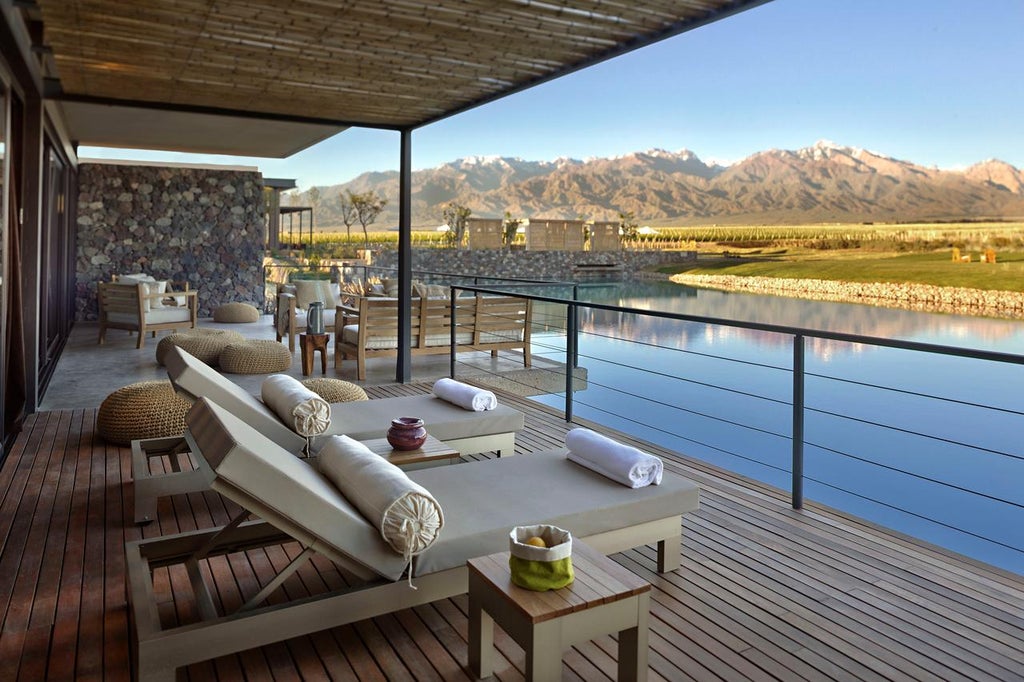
(368, 206)
(628, 227)
(349, 212)
(455, 216)
(510, 229)
(313, 197)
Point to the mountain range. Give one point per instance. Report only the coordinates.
(826, 182)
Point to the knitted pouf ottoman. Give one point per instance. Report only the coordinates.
(204, 344)
(149, 409)
(236, 313)
(255, 356)
(335, 390)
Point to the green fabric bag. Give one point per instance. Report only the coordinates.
(540, 568)
(541, 576)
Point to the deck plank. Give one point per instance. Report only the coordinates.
(764, 592)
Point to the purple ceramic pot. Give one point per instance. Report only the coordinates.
(407, 433)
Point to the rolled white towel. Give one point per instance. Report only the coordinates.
(299, 408)
(622, 463)
(464, 395)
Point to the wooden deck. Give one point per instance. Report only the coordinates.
(764, 592)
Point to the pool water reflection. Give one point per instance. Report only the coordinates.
(897, 437)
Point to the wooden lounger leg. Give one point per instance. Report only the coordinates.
(669, 551)
(149, 487)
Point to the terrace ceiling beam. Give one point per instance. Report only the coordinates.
(53, 92)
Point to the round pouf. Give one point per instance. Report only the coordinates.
(236, 313)
(255, 356)
(335, 390)
(149, 409)
(204, 344)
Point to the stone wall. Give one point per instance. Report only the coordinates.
(924, 297)
(528, 264)
(200, 225)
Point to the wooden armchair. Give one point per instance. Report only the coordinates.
(134, 308)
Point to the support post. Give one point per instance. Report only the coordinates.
(403, 367)
(798, 421)
(570, 356)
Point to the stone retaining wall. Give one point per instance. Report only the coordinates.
(200, 225)
(529, 264)
(924, 297)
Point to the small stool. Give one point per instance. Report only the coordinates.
(310, 343)
(148, 409)
(204, 344)
(254, 356)
(236, 313)
(604, 598)
(335, 390)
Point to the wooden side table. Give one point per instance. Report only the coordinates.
(604, 598)
(310, 343)
(431, 452)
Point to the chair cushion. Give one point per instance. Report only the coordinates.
(196, 378)
(483, 500)
(350, 335)
(299, 408)
(309, 290)
(258, 470)
(407, 515)
(371, 418)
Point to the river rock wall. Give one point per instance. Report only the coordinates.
(924, 297)
(200, 225)
(560, 265)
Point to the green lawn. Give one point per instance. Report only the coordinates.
(928, 268)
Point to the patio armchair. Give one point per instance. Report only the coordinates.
(145, 306)
(293, 302)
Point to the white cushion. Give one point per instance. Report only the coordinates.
(309, 290)
(407, 515)
(300, 408)
(350, 335)
(156, 316)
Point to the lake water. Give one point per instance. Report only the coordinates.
(926, 444)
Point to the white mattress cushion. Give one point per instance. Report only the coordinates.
(198, 379)
(253, 471)
(484, 500)
(366, 419)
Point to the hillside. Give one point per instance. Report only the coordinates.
(823, 183)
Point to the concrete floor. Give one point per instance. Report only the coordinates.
(87, 372)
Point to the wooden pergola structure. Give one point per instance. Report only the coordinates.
(263, 78)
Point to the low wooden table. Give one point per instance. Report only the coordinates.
(430, 452)
(604, 598)
(310, 343)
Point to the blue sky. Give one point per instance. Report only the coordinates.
(936, 82)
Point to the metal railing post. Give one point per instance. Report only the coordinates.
(575, 327)
(570, 356)
(452, 294)
(798, 421)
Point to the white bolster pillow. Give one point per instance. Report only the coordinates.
(299, 408)
(617, 461)
(464, 395)
(407, 515)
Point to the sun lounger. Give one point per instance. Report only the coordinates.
(296, 503)
(464, 430)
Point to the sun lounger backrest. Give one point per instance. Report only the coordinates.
(285, 491)
(197, 379)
